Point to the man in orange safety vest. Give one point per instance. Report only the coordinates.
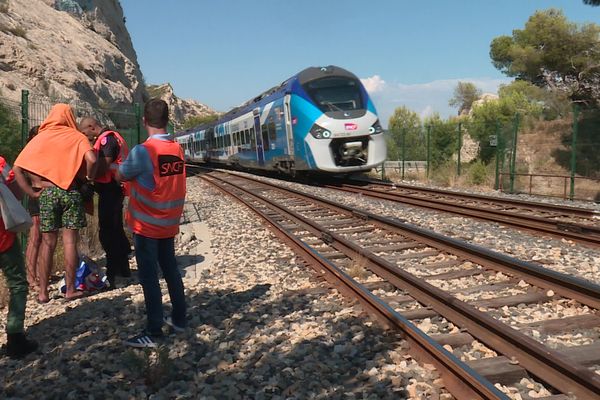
(156, 173)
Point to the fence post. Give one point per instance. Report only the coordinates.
(573, 149)
(497, 181)
(459, 147)
(403, 150)
(428, 149)
(513, 159)
(138, 121)
(24, 134)
(24, 115)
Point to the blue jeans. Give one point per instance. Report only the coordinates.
(149, 254)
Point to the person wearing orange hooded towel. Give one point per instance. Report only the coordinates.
(59, 154)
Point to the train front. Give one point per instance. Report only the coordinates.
(336, 128)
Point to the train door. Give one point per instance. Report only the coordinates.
(288, 126)
(260, 152)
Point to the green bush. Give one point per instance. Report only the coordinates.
(478, 173)
(10, 133)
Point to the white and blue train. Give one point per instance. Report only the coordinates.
(319, 120)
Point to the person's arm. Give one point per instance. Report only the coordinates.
(134, 165)
(91, 164)
(108, 153)
(24, 183)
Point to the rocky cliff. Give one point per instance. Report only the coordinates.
(68, 49)
(180, 109)
(76, 50)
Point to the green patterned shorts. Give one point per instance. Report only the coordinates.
(61, 209)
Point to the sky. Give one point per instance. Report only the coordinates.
(407, 53)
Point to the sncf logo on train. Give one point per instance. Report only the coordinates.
(350, 127)
(169, 165)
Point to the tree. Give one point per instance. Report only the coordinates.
(444, 141)
(465, 94)
(553, 104)
(496, 117)
(592, 3)
(555, 53)
(196, 120)
(405, 122)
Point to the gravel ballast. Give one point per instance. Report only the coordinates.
(260, 327)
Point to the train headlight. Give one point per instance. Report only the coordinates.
(375, 128)
(319, 132)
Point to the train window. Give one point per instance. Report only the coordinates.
(272, 130)
(265, 140)
(252, 140)
(247, 135)
(335, 93)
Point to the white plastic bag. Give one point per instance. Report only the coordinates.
(15, 217)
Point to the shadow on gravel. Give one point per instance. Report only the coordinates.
(238, 345)
(186, 261)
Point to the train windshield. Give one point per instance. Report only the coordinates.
(335, 93)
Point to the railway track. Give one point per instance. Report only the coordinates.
(469, 302)
(571, 223)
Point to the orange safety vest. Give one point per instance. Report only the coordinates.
(123, 152)
(156, 213)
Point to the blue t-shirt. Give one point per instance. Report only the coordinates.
(138, 164)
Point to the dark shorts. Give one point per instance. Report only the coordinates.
(33, 205)
(61, 209)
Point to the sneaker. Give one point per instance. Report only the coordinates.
(178, 329)
(142, 340)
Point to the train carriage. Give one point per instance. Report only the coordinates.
(320, 120)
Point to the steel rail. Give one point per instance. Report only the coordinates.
(548, 364)
(501, 201)
(460, 379)
(567, 286)
(576, 232)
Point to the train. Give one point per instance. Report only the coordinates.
(320, 120)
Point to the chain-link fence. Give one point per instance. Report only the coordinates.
(512, 154)
(122, 117)
(17, 117)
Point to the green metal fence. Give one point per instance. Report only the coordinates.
(516, 154)
(122, 117)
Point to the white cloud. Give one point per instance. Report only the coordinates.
(423, 98)
(373, 84)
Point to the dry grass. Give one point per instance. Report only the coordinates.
(358, 268)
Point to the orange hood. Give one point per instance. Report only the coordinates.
(57, 152)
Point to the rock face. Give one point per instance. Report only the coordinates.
(484, 98)
(69, 49)
(180, 109)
